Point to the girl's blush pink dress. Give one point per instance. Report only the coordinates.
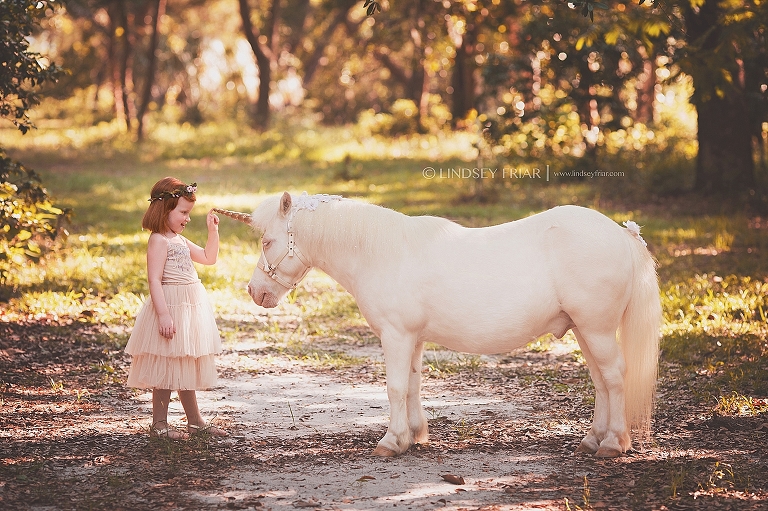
(185, 362)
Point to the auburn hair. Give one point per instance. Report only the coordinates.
(163, 199)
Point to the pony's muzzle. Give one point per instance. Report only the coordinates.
(262, 298)
(252, 292)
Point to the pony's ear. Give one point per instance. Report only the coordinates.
(285, 203)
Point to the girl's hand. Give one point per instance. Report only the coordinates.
(167, 328)
(212, 220)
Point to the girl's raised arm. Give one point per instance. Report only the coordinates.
(210, 253)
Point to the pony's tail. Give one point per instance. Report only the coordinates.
(639, 339)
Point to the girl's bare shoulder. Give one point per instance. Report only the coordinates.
(157, 242)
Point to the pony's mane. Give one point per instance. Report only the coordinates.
(368, 229)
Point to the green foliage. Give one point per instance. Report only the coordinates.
(21, 71)
(726, 40)
(403, 118)
(587, 7)
(401, 121)
(29, 222)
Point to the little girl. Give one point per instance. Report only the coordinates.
(175, 337)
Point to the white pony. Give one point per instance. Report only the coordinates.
(478, 290)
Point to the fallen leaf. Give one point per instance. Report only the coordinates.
(453, 479)
(366, 478)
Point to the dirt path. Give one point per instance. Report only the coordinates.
(291, 411)
(303, 425)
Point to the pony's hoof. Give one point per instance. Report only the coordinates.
(586, 448)
(607, 452)
(384, 452)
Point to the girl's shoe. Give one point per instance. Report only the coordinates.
(194, 429)
(167, 433)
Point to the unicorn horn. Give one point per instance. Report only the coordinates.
(243, 217)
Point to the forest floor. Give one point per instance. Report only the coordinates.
(503, 431)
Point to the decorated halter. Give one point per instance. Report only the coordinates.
(304, 201)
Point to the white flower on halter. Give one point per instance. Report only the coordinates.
(634, 230)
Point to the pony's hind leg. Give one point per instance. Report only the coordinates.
(591, 443)
(609, 435)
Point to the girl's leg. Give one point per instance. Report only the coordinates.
(161, 398)
(195, 420)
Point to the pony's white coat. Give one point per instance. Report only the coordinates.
(484, 290)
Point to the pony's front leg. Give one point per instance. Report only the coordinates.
(417, 420)
(398, 354)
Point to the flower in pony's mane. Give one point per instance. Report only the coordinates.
(184, 191)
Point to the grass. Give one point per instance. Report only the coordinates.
(740, 406)
(303, 352)
(713, 264)
(438, 364)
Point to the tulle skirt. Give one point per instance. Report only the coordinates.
(185, 362)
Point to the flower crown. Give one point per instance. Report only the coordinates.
(184, 191)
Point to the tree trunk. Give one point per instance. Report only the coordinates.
(724, 164)
(124, 76)
(645, 88)
(114, 64)
(146, 95)
(416, 86)
(463, 77)
(264, 57)
(757, 103)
